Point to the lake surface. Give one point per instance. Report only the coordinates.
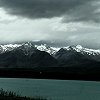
(53, 89)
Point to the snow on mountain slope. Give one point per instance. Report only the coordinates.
(8, 47)
(48, 49)
(28, 48)
(83, 50)
(51, 50)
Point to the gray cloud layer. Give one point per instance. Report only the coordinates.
(71, 10)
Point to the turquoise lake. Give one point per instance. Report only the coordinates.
(53, 89)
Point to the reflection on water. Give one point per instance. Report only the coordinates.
(54, 89)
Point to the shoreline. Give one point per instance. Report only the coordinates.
(57, 75)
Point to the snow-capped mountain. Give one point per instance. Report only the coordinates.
(8, 47)
(83, 50)
(29, 47)
(77, 54)
(26, 56)
(29, 54)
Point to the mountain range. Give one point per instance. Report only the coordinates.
(29, 55)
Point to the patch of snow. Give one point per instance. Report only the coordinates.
(83, 50)
(8, 47)
(46, 48)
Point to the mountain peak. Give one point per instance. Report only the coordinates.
(28, 48)
(79, 47)
(82, 50)
(28, 44)
(46, 48)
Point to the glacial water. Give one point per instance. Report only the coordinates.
(53, 89)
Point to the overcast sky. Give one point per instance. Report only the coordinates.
(73, 21)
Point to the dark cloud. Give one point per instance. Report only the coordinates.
(90, 12)
(71, 10)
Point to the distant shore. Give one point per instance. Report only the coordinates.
(65, 74)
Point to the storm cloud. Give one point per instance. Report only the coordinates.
(71, 21)
(69, 10)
